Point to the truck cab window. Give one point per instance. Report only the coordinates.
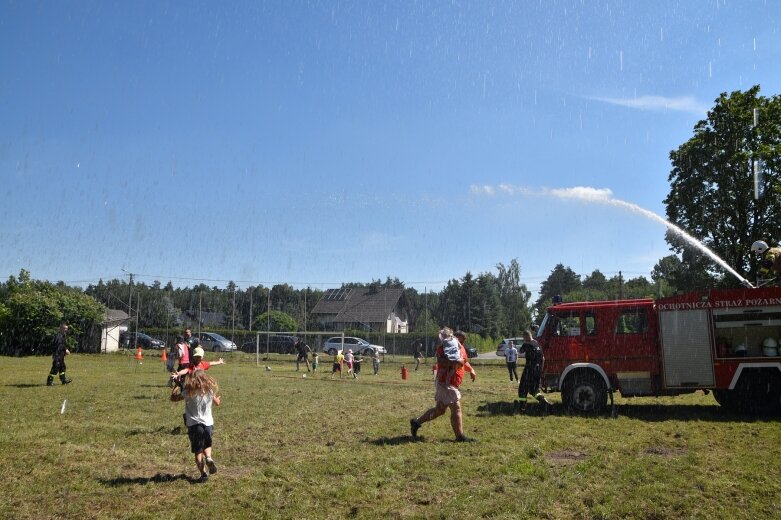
(632, 322)
(591, 324)
(567, 325)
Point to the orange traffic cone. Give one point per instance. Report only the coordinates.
(139, 356)
(404, 372)
(164, 357)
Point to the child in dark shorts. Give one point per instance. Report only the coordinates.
(200, 392)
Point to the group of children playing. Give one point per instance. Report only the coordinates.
(352, 363)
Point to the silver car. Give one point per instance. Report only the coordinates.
(214, 342)
(505, 342)
(357, 345)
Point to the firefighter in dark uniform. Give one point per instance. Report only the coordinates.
(58, 357)
(769, 260)
(532, 372)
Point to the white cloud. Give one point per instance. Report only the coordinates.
(486, 189)
(657, 103)
(582, 193)
(503, 189)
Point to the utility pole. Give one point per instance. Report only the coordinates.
(425, 347)
(620, 286)
(130, 303)
(754, 162)
(250, 309)
(200, 310)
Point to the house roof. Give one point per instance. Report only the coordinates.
(115, 315)
(363, 305)
(207, 318)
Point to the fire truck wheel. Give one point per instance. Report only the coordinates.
(726, 400)
(584, 391)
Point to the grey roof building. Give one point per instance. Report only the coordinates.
(377, 309)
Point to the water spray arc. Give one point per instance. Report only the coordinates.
(604, 196)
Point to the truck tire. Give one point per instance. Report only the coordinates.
(758, 392)
(726, 400)
(584, 391)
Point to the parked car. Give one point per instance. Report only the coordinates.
(139, 339)
(357, 345)
(214, 342)
(471, 352)
(274, 343)
(506, 341)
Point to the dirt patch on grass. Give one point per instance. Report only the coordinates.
(564, 457)
(663, 451)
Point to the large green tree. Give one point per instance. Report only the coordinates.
(515, 298)
(712, 185)
(561, 281)
(31, 311)
(278, 321)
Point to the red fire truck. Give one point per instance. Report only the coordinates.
(725, 341)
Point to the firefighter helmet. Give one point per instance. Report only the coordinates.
(741, 350)
(770, 347)
(759, 247)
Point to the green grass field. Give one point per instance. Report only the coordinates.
(289, 447)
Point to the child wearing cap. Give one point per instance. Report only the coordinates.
(197, 363)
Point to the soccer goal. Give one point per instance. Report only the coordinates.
(282, 341)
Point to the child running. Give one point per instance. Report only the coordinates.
(348, 360)
(200, 391)
(337, 367)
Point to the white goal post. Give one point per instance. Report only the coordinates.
(259, 341)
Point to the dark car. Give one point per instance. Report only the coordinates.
(471, 352)
(139, 339)
(274, 343)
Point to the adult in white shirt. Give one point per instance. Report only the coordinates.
(511, 357)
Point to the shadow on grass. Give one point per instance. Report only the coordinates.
(28, 385)
(150, 431)
(159, 478)
(643, 412)
(395, 441)
(512, 408)
(680, 412)
(161, 385)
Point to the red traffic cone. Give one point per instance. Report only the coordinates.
(404, 372)
(164, 357)
(139, 356)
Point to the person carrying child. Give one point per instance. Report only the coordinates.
(199, 393)
(449, 376)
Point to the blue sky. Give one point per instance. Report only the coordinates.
(316, 143)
